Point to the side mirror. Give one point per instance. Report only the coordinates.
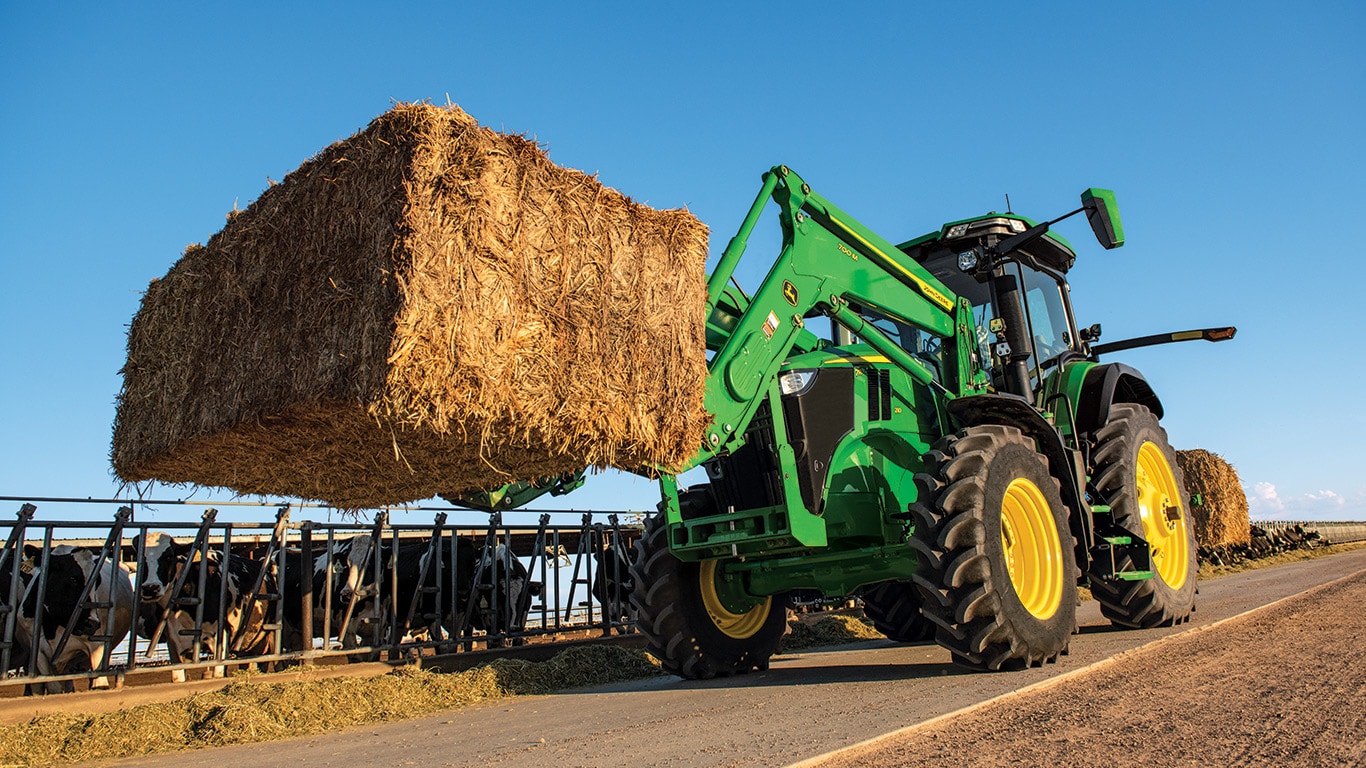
(1103, 213)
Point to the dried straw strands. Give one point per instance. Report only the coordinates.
(1221, 516)
(427, 307)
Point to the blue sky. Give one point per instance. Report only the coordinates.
(1230, 133)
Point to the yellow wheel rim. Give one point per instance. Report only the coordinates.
(1163, 515)
(737, 625)
(1033, 550)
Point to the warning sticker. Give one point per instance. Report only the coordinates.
(770, 325)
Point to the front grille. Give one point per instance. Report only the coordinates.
(749, 478)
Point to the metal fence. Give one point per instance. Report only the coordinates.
(59, 626)
(1330, 531)
(483, 567)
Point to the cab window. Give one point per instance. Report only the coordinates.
(922, 345)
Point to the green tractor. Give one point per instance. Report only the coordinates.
(948, 447)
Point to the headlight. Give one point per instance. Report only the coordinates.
(967, 260)
(795, 382)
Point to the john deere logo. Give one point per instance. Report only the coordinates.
(790, 292)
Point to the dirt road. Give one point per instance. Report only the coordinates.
(1282, 686)
(810, 703)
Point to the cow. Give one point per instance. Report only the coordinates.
(433, 607)
(348, 565)
(612, 582)
(364, 612)
(472, 606)
(67, 570)
(503, 595)
(242, 625)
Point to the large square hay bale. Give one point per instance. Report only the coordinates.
(426, 307)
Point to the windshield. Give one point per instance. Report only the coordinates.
(1045, 310)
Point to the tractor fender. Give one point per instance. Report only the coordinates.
(1014, 411)
(1111, 383)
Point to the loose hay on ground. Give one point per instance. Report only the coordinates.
(831, 630)
(426, 307)
(593, 665)
(1221, 517)
(246, 712)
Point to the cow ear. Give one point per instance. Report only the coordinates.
(31, 552)
(536, 588)
(181, 550)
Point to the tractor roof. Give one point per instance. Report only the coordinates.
(1052, 249)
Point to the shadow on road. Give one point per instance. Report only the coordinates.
(825, 675)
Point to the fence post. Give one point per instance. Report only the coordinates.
(305, 586)
(13, 553)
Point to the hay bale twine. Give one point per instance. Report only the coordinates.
(1218, 500)
(426, 307)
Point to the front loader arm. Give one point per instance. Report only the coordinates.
(828, 261)
(518, 494)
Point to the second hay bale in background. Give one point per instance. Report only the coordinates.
(1221, 517)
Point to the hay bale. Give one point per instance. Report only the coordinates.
(1218, 501)
(426, 307)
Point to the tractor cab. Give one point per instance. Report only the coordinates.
(1039, 276)
(1014, 272)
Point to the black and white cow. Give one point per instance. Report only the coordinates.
(496, 572)
(348, 565)
(378, 607)
(67, 570)
(503, 595)
(242, 623)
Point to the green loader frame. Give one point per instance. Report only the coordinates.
(923, 425)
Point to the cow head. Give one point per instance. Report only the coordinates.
(351, 562)
(612, 580)
(160, 558)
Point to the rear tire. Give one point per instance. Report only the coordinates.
(894, 609)
(688, 630)
(997, 571)
(1134, 471)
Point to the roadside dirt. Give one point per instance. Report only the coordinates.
(1282, 686)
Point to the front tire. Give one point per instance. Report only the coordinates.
(997, 571)
(680, 607)
(1134, 471)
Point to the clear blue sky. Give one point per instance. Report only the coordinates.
(1231, 134)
